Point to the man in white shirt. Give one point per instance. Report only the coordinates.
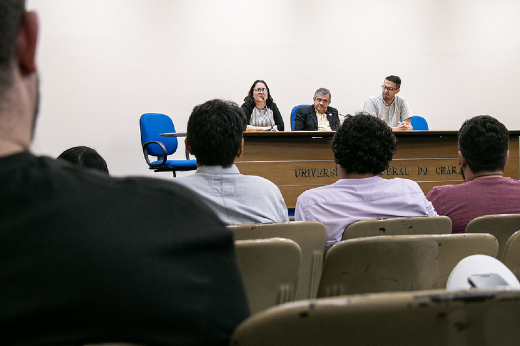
(390, 107)
(215, 137)
(363, 146)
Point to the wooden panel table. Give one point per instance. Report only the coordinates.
(301, 160)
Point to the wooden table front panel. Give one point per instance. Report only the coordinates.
(296, 162)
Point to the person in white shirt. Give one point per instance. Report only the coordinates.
(215, 137)
(363, 146)
(390, 107)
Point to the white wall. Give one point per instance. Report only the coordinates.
(105, 62)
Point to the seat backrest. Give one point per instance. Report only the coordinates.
(502, 226)
(426, 318)
(309, 235)
(511, 257)
(379, 264)
(419, 123)
(398, 226)
(293, 114)
(152, 125)
(453, 248)
(398, 263)
(269, 269)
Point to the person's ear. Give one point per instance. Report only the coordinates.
(462, 159)
(188, 146)
(507, 156)
(26, 43)
(241, 149)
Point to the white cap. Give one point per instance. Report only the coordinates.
(479, 264)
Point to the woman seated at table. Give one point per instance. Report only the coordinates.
(261, 112)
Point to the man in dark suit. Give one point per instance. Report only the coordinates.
(317, 117)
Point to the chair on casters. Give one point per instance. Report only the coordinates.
(293, 114)
(152, 125)
(419, 123)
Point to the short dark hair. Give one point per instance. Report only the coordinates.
(364, 144)
(11, 14)
(484, 141)
(323, 91)
(215, 132)
(249, 98)
(85, 157)
(396, 80)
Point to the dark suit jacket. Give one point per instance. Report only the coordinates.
(306, 119)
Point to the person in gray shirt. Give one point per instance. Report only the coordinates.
(215, 136)
(390, 107)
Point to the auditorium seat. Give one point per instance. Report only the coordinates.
(502, 226)
(398, 263)
(398, 226)
(426, 318)
(309, 235)
(269, 268)
(511, 256)
(153, 144)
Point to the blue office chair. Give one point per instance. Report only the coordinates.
(152, 125)
(419, 123)
(293, 114)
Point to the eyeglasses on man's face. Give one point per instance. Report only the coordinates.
(260, 90)
(384, 87)
(320, 100)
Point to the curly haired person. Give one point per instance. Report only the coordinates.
(363, 146)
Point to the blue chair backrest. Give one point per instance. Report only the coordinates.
(293, 114)
(419, 123)
(152, 125)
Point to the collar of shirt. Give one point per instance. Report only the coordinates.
(218, 170)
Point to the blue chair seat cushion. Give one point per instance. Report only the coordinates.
(176, 165)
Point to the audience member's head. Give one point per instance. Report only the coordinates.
(215, 130)
(11, 13)
(85, 157)
(483, 141)
(18, 77)
(363, 144)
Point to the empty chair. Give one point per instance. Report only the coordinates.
(455, 247)
(379, 264)
(426, 318)
(309, 235)
(511, 256)
(419, 123)
(502, 226)
(398, 226)
(152, 125)
(270, 269)
(293, 114)
(398, 263)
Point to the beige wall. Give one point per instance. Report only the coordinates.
(105, 62)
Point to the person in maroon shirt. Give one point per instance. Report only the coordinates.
(483, 154)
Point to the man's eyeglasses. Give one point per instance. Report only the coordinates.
(260, 90)
(319, 100)
(384, 87)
